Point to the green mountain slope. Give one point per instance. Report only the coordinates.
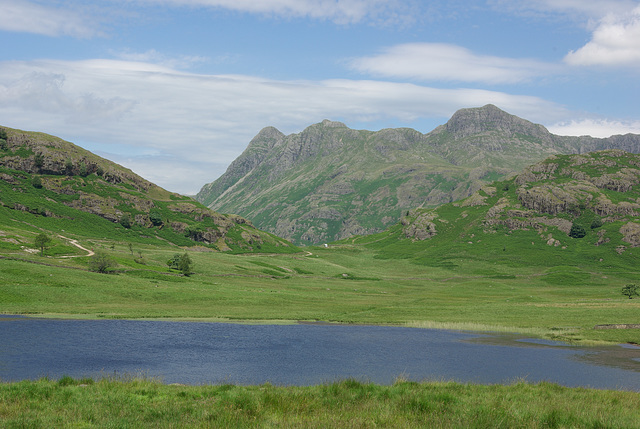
(330, 182)
(566, 211)
(50, 185)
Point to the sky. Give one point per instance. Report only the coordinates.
(176, 89)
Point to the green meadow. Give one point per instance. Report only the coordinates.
(139, 402)
(344, 283)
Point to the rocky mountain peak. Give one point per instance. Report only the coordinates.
(489, 118)
(332, 124)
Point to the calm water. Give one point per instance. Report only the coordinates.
(206, 353)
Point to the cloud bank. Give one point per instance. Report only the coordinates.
(445, 62)
(207, 120)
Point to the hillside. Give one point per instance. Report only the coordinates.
(569, 210)
(52, 185)
(330, 182)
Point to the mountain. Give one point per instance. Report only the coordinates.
(577, 209)
(53, 185)
(330, 182)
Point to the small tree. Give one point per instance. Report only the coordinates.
(184, 265)
(181, 262)
(68, 166)
(155, 217)
(577, 231)
(125, 220)
(630, 290)
(100, 262)
(42, 241)
(38, 160)
(36, 182)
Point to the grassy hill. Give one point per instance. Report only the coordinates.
(582, 210)
(52, 186)
(330, 182)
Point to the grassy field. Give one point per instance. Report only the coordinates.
(138, 403)
(345, 284)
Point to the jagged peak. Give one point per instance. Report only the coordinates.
(269, 133)
(478, 120)
(332, 124)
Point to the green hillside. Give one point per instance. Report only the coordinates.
(565, 212)
(330, 182)
(54, 187)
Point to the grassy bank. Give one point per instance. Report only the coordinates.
(339, 284)
(138, 403)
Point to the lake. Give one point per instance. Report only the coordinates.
(304, 354)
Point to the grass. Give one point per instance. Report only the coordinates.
(140, 402)
(343, 284)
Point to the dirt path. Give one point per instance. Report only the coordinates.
(75, 243)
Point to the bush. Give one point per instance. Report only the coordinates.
(38, 160)
(630, 290)
(36, 182)
(182, 263)
(597, 223)
(125, 220)
(577, 231)
(100, 262)
(42, 241)
(155, 217)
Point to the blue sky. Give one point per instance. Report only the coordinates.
(176, 89)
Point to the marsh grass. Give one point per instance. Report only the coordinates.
(139, 403)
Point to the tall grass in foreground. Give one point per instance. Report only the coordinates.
(139, 403)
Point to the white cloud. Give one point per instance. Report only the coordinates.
(155, 57)
(595, 127)
(338, 11)
(203, 122)
(444, 62)
(615, 42)
(572, 9)
(28, 17)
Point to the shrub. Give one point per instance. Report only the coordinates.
(630, 290)
(181, 262)
(42, 241)
(100, 262)
(36, 182)
(597, 223)
(155, 217)
(577, 231)
(38, 160)
(125, 220)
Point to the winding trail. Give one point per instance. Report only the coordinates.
(75, 243)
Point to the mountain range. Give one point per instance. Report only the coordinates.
(330, 182)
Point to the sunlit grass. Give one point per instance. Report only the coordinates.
(141, 402)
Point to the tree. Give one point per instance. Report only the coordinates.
(38, 160)
(577, 231)
(36, 182)
(630, 290)
(155, 217)
(182, 263)
(68, 166)
(100, 262)
(125, 220)
(42, 241)
(3, 139)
